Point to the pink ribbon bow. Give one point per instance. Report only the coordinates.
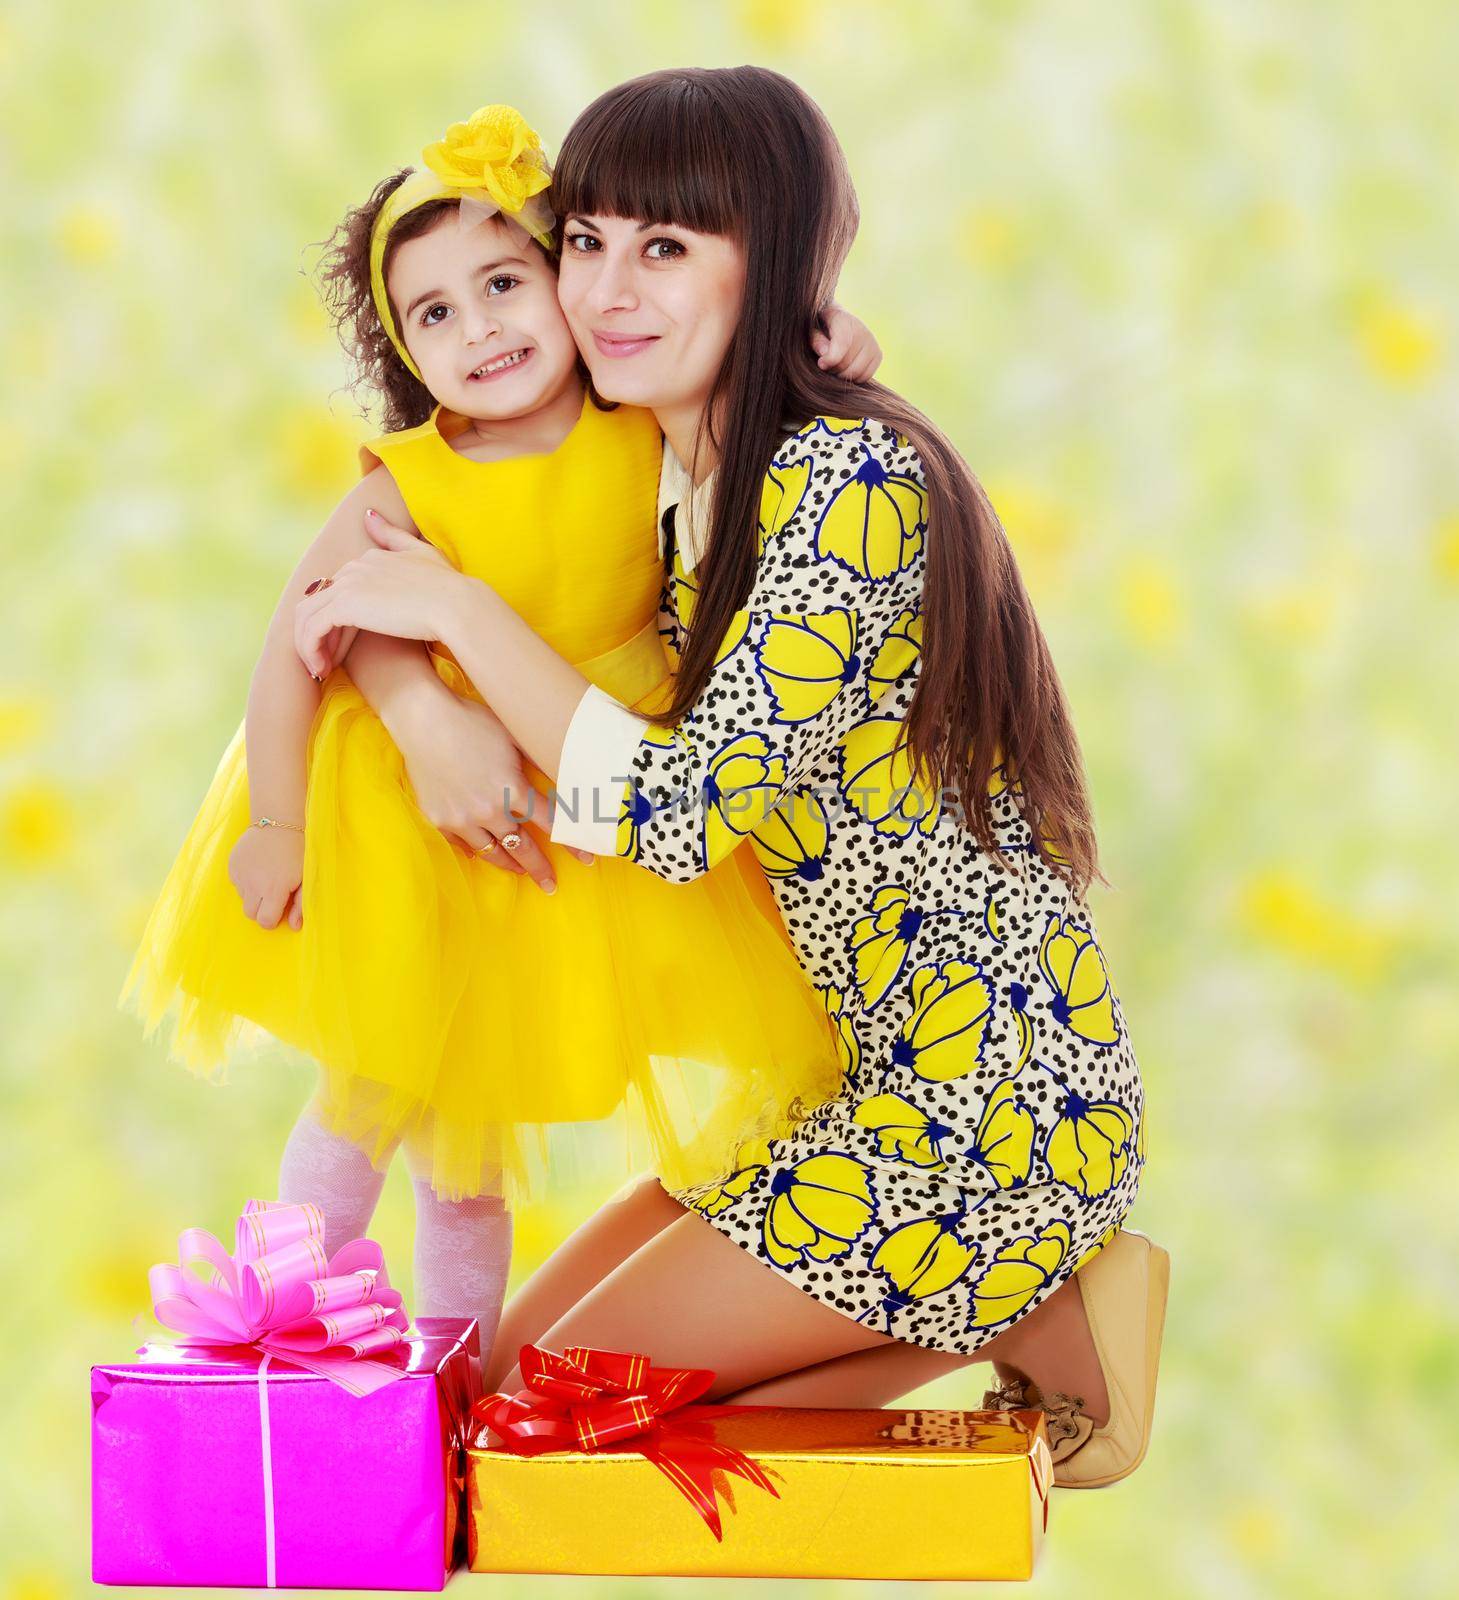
(280, 1293)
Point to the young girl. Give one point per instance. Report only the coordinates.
(452, 1005)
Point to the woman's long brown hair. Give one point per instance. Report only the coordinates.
(743, 151)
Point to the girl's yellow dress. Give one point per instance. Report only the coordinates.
(446, 1000)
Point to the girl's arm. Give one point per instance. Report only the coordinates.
(266, 864)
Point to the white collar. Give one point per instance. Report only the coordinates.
(691, 520)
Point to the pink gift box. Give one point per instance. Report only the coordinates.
(204, 1471)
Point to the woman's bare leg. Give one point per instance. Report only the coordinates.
(616, 1229)
(1052, 1346)
(690, 1297)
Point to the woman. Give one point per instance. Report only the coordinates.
(862, 688)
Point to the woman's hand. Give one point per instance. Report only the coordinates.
(469, 781)
(406, 587)
(847, 347)
(266, 867)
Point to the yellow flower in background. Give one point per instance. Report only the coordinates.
(848, 1046)
(1072, 962)
(989, 237)
(946, 1034)
(1150, 603)
(1088, 1148)
(805, 661)
(1039, 526)
(1278, 910)
(878, 780)
(1401, 343)
(88, 235)
(1003, 1146)
(923, 1257)
(37, 825)
(1446, 548)
(904, 1132)
(493, 150)
(1018, 1271)
(317, 453)
(23, 720)
(881, 940)
(817, 1209)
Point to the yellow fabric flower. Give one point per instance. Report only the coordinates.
(805, 660)
(881, 942)
(879, 782)
(817, 1209)
(922, 1258)
(945, 1036)
(1073, 963)
(1003, 1147)
(904, 1132)
(1017, 1272)
(495, 151)
(792, 840)
(1088, 1148)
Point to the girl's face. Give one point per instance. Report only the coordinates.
(653, 308)
(477, 307)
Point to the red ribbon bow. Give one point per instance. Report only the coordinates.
(610, 1402)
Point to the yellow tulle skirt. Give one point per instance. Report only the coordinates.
(453, 1005)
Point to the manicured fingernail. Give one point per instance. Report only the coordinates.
(549, 888)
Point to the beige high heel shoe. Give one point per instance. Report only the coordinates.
(1124, 1290)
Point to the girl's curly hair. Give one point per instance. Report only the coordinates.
(344, 286)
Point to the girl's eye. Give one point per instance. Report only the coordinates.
(501, 277)
(429, 318)
(673, 244)
(584, 239)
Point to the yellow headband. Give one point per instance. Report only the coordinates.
(491, 163)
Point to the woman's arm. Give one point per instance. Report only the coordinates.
(790, 682)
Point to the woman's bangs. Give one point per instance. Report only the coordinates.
(654, 157)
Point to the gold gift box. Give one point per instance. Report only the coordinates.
(861, 1494)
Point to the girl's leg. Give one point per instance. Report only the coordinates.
(463, 1253)
(1052, 1346)
(690, 1297)
(336, 1175)
(615, 1230)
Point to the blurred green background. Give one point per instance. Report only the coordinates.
(1180, 281)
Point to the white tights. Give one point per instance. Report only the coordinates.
(463, 1248)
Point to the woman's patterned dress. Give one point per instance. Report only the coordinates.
(988, 1134)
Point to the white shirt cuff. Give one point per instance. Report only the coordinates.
(597, 761)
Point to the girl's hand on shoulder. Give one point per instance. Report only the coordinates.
(847, 347)
(403, 585)
(267, 869)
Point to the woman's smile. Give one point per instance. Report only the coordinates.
(623, 344)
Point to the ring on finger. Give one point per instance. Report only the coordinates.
(486, 849)
(510, 841)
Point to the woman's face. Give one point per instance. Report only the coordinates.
(478, 310)
(653, 308)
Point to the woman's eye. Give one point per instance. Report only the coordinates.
(429, 318)
(501, 277)
(673, 245)
(583, 239)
